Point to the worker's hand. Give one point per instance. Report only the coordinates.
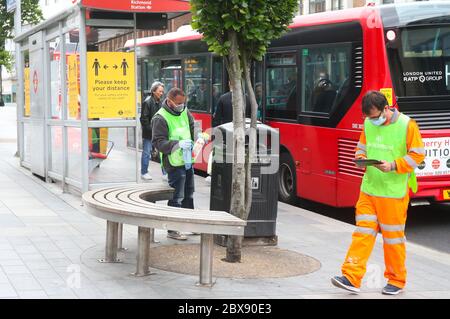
(385, 167)
(185, 144)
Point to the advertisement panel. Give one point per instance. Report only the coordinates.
(437, 160)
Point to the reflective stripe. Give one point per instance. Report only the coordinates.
(360, 152)
(418, 150)
(394, 241)
(361, 146)
(366, 230)
(410, 161)
(371, 218)
(392, 227)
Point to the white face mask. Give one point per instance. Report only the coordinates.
(379, 121)
(179, 108)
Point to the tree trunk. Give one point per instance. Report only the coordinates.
(237, 205)
(2, 103)
(252, 134)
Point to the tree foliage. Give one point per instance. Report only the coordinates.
(241, 31)
(256, 22)
(31, 14)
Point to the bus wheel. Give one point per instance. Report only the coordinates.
(287, 180)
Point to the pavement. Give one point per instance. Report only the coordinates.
(49, 247)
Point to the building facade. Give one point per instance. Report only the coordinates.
(315, 6)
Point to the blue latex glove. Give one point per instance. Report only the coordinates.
(187, 158)
(185, 144)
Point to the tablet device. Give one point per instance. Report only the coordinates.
(366, 162)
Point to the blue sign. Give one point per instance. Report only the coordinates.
(10, 5)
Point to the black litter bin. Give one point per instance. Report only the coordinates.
(261, 223)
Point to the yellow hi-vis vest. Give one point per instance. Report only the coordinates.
(387, 142)
(179, 129)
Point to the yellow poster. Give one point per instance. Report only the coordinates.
(111, 85)
(388, 94)
(72, 85)
(26, 86)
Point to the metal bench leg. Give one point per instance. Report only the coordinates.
(206, 260)
(142, 267)
(152, 236)
(120, 238)
(111, 243)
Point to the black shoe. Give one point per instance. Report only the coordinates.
(344, 283)
(391, 290)
(176, 235)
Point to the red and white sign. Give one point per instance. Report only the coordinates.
(35, 82)
(437, 157)
(139, 5)
(436, 163)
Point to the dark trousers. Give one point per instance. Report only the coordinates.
(183, 182)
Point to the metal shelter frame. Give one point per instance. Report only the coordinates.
(35, 43)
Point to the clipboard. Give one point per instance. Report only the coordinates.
(366, 162)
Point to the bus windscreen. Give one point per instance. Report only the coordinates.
(422, 61)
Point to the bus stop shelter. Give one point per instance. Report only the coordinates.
(78, 102)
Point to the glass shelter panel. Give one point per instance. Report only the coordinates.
(74, 153)
(56, 160)
(72, 75)
(54, 49)
(110, 159)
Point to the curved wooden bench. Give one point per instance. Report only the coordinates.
(134, 205)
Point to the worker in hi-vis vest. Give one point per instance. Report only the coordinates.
(394, 139)
(172, 135)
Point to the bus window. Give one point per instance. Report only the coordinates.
(257, 86)
(152, 72)
(171, 74)
(196, 76)
(217, 84)
(281, 85)
(325, 77)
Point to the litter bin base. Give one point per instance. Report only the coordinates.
(221, 240)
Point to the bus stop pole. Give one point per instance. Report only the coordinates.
(20, 98)
(84, 104)
(136, 133)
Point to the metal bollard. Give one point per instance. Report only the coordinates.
(111, 243)
(206, 260)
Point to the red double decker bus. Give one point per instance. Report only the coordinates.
(310, 87)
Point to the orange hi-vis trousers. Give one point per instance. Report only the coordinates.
(372, 215)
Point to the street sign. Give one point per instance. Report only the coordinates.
(111, 85)
(139, 5)
(10, 5)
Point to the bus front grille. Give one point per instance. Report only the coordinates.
(431, 120)
(346, 153)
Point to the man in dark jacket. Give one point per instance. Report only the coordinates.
(224, 109)
(150, 106)
(173, 133)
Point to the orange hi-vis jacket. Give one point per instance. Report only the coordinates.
(385, 215)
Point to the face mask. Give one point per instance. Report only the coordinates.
(179, 108)
(379, 121)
